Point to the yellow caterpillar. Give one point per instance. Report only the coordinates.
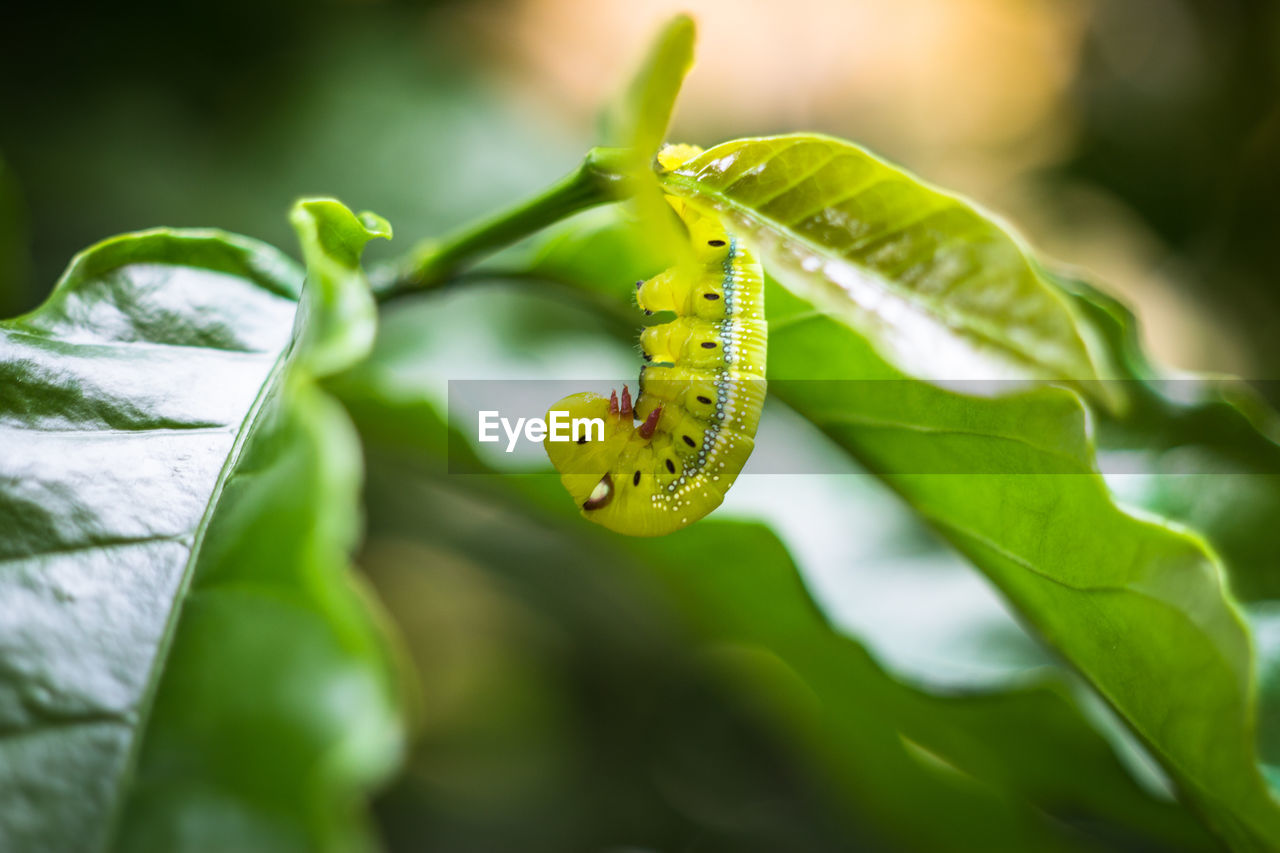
(669, 459)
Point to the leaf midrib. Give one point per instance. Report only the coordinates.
(1185, 777)
(128, 769)
(1263, 830)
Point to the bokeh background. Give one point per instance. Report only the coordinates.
(563, 705)
(1137, 138)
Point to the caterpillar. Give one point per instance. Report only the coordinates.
(670, 458)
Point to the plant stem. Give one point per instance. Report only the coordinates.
(599, 180)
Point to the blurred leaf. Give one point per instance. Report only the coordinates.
(1265, 620)
(1026, 745)
(1187, 137)
(260, 114)
(566, 710)
(941, 289)
(1200, 450)
(981, 765)
(637, 127)
(1197, 449)
(640, 120)
(189, 665)
(337, 325)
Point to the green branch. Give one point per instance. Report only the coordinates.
(600, 179)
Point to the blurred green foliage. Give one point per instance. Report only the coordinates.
(578, 692)
(224, 113)
(612, 630)
(1179, 116)
(204, 113)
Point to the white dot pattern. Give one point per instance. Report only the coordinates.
(740, 335)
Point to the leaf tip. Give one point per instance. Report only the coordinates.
(683, 27)
(375, 225)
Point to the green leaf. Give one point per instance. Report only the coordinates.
(1205, 456)
(941, 289)
(1198, 449)
(1264, 618)
(1024, 746)
(189, 665)
(985, 766)
(641, 118)
(337, 323)
(1137, 605)
(645, 115)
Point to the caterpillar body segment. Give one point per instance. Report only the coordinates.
(669, 459)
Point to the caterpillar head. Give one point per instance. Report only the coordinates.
(612, 478)
(584, 460)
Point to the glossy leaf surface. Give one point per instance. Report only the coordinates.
(941, 290)
(186, 660)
